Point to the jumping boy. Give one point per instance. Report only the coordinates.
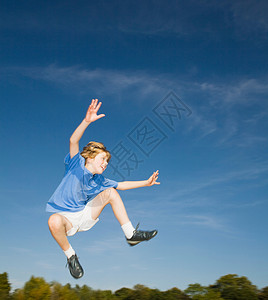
(84, 192)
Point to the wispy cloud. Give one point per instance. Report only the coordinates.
(234, 111)
(242, 91)
(106, 81)
(21, 250)
(105, 245)
(45, 265)
(245, 175)
(239, 91)
(138, 267)
(205, 190)
(216, 106)
(203, 220)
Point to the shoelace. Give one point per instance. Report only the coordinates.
(136, 229)
(67, 264)
(140, 232)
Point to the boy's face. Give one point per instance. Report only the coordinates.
(98, 164)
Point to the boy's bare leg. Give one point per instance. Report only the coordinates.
(109, 196)
(58, 226)
(112, 197)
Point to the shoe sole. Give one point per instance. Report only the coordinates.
(134, 243)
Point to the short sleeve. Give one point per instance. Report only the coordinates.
(70, 163)
(109, 183)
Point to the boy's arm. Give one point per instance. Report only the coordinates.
(91, 116)
(127, 185)
(76, 136)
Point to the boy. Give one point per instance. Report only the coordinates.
(84, 192)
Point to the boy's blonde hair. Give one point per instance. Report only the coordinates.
(92, 149)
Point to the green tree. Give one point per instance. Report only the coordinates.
(174, 294)
(212, 295)
(141, 292)
(18, 294)
(4, 287)
(56, 291)
(84, 292)
(37, 289)
(123, 293)
(157, 295)
(68, 293)
(199, 292)
(263, 294)
(233, 287)
(194, 290)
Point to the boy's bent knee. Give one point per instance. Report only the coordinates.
(106, 195)
(55, 222)
(111, 193)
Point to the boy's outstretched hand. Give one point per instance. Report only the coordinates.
(153, 179)
(92, 111)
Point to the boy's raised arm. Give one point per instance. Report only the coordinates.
(91, 116)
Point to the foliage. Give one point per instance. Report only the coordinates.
(236, 288)
(84, 292)
(263, 294)
(175, 293)
(123, 293)
(195, 289)
(4, 286)
(141, 292)
(199, 292)
(59, 292)
(18, 295)
(231, 287)
(37, 289)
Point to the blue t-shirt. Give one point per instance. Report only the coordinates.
(77, 187)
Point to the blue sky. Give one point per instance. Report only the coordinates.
(137, 57)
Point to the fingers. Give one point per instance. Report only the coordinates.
(155, 177)
(98, 106)
(155, 174)
(94, 104)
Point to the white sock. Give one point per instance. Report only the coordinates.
(69, 252)
(128, 230)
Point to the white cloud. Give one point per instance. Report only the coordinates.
(105, 81)
(45, 265)
(21, 250)
(216, 106)
(239, 91)
(235, 111)
(200, 191)
(202, 220)
(74, 77)
(105, 245)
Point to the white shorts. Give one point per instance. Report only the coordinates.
(80, 220)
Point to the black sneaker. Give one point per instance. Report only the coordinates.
(140, 236)
(74, 267)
